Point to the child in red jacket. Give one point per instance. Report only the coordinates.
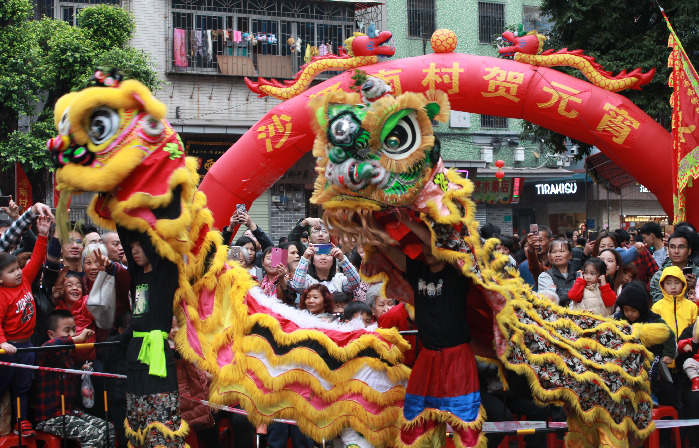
(691, 365)
(17, 321)
(591, 292)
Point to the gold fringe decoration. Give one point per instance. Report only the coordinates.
(355, 226)
(438, 431)
(156, 426)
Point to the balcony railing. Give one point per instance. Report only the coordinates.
(242, 42)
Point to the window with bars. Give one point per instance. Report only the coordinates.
(66, 10)
(491, 21)
(421, 18)
(251, 37)
(533, 19)
(493, 122)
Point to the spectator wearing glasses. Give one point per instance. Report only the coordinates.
(315, 230)
(678, 254)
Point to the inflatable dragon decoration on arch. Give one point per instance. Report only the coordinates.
(278, 362)
(361, 50)
(527, 48)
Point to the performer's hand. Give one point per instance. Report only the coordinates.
(668, 360)
(687, 348)
(602, 280)
(9, 348)
(640, 247)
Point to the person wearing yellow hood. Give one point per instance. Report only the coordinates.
(677, 311)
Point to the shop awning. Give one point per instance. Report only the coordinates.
(607, 173)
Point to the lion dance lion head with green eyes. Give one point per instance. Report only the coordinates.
(375, 151)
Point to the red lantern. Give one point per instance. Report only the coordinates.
(500, 174)
(499, 163)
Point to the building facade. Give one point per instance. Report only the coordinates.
(203, 49)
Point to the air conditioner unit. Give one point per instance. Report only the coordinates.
(487, 154)
(519, 154)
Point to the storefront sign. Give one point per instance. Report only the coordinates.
(556, 189)
(491, 190)
(206, 153)
(516, 187)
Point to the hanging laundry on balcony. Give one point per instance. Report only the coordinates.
(200, 43)
(236, 36)
(272, 39)
(180, 48)
(192, 43)
(330, 48)
(322, 50)
(226, 36)
(307, 56)
(209, 47)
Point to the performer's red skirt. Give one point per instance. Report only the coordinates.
(443, 387)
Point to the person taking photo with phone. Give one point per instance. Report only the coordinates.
(319, 264)
(678, 254)
(260, 240)
(537, 260)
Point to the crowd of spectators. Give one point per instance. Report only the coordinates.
(643, 276)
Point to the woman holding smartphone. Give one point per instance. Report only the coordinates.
(319, 265)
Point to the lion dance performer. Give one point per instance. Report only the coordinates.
(382, 184)
(276, 361)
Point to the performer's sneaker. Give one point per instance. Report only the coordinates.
(695, 384)
(26, 428)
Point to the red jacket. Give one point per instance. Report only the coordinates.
(83, 319)
(398, 317)
(17, 307)
(576, 292)
(685, 342)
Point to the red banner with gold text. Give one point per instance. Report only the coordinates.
(23, 188)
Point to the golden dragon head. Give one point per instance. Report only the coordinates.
(114, 140)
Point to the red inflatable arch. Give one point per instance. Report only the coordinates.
(478, 84)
